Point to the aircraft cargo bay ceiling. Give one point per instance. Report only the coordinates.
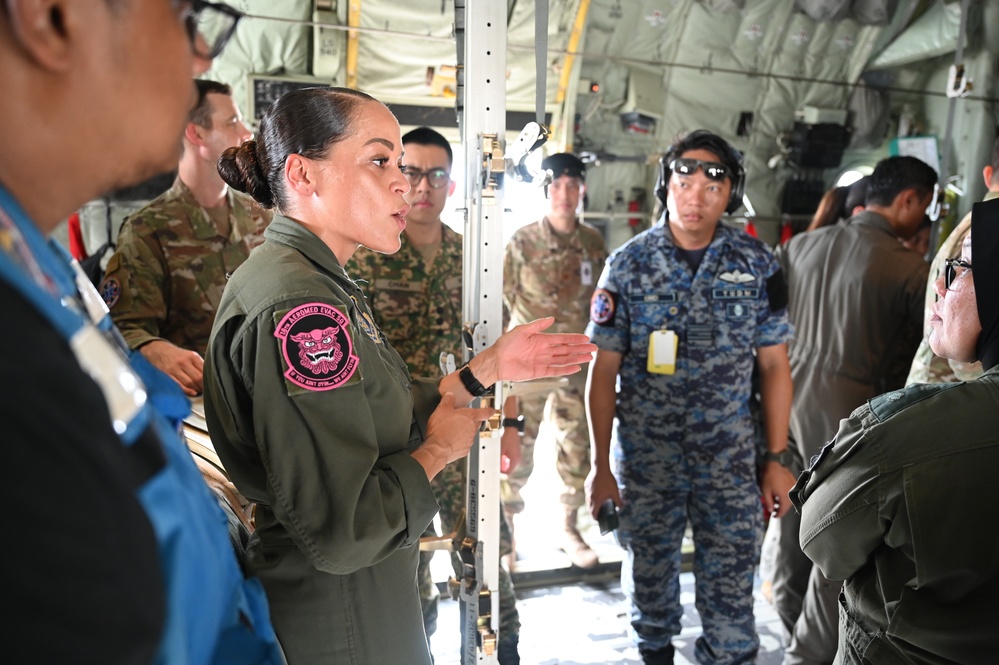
(803, 87)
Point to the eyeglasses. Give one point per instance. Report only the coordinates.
(210, 25)
(436, 177)
(686, 166)
(950, 270)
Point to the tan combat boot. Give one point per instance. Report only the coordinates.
(574, 546)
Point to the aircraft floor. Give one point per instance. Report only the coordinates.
(586, 623)
(570, 617)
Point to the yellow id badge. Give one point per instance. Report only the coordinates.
(662, 352)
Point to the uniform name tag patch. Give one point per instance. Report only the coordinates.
(735, 294)
(399, 285)
(652, 298)
(316, 346)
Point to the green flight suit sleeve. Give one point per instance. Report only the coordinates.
(426, 397)
(844, 516)
(338, 473)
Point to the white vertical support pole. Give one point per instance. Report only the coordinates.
(480, 26)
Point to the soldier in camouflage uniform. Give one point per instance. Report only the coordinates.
(677, 315)
(164, 281)
(415, 296)
(927, 367)
(550, 269)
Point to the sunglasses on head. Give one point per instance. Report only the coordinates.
(436, 177)
(686, 166)
(950, 270)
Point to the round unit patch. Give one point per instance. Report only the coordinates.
(316, 347)
(601, 307)
(111, 291)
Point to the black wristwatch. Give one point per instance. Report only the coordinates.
(472, 385)
(784, 457)
(517, 422)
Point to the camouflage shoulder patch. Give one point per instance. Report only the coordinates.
(890, 404)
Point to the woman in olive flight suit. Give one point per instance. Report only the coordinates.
(313, 413)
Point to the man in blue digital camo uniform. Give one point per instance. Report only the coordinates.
(121, 554)
(677, 315)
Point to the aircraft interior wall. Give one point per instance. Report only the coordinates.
(623, 78)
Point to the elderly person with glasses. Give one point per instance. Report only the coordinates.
(888, 505)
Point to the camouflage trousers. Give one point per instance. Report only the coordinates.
(714, 488)
(564, 412)
(449, 488)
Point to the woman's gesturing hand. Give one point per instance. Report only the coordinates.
(526, 352)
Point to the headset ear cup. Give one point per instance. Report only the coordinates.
(662, 177)
(738, 183)
(738, 189)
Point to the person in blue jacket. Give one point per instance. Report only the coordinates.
(115, 552)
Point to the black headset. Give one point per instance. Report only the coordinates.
(701, 139)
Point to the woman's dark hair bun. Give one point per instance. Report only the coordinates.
(240, 169)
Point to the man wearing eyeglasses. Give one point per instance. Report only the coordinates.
(927, 367)
(856, 300)
(121, 555)
(681, 315)
(898, 504)
(550, 269)
(416, 300)
(165, 279)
